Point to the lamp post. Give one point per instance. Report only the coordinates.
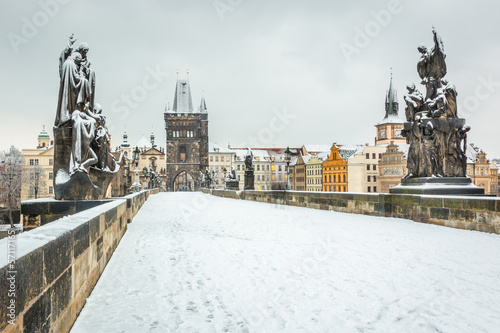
(137, 156)
(288, 158)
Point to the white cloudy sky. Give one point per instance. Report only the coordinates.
(257, 57)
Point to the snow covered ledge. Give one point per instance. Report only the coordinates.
(479, 213)
(58, 264)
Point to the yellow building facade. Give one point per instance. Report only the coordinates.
(335, 172)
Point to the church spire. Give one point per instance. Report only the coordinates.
(391, 101)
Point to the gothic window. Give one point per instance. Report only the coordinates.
(182, 153)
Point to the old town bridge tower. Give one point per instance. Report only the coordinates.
(187, 140)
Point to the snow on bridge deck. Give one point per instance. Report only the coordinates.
(191, 262)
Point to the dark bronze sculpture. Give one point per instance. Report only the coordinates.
(249, 171)
(437, 137)
(83, 164)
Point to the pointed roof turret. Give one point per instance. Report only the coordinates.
(203, 105)
(183, 103)
(391, 101)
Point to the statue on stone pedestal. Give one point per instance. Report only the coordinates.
(83, 164)
(432, 128)
(437, 137)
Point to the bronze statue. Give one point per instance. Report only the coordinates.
(433, 130)
(83, 164)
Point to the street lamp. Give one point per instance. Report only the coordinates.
(288, 158)
(137, 156)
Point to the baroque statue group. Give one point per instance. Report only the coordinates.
(437, 137)
(84, 165)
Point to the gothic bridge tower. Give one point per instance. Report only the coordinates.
(187, 140)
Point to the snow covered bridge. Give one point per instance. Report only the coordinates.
(191, 262)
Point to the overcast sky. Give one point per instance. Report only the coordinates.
(250, 59)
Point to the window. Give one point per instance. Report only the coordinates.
(374, 178)
(32, 161)
(182, 153)
(344, 182)
(238, 168)
(258, 167)
(279, 168)
(374, 156)
(374, 167)
(51, 190)
(258, 178)
(32, 190)
(51, 175)
(51, 161)
(369, 179)
(368, 167)
(374, 188)
(222, 158)
(238, 177)
(367, 155)
(379, 156)
(216, 158)
(335, 178)
(268, 167)
(369, 189)
(212, 159)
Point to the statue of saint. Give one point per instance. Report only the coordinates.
(429, 159)
(249, 160)
(432, 64)
(450, 92)
(83, 133)
(414, 101)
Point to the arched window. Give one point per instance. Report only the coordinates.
(182, 154)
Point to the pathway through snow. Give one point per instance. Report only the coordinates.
(191, 262)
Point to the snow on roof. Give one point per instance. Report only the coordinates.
(391, 119)
(404, 148)
(215, 148)
(471, 155)
(317, 148)
(143, 143)
(306, 158)
(349, 151)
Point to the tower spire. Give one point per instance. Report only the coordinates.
(391, 100)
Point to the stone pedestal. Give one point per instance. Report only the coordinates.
(232, 184)
(437, 186)
(249, 180)
(80, 185)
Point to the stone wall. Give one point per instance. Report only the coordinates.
(471, 213)
(58, 264)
